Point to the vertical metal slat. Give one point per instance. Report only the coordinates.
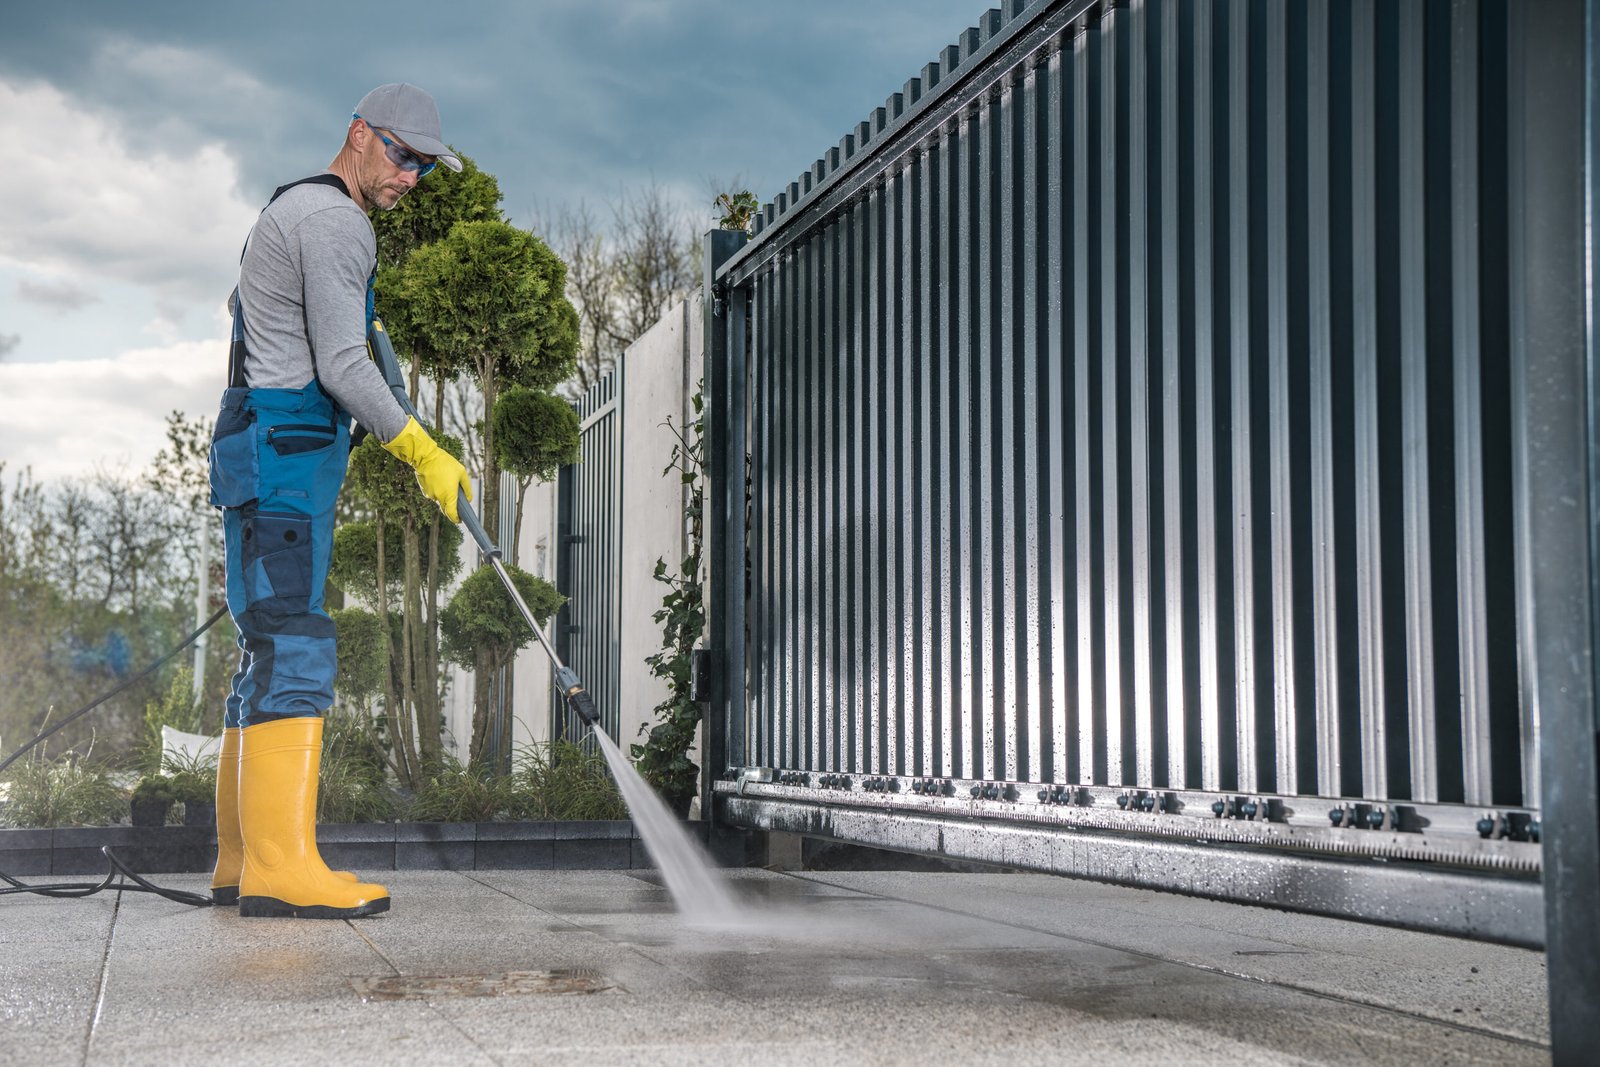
(1364, 358)
(1142, 419)
(1414, 392)
(1212, 617)
(1246, 663)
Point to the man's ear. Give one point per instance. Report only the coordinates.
(358, 134)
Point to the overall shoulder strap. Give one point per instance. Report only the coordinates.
(236, 350)
(316, 179)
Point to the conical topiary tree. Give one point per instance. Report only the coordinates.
(488, 301)
(535, 434)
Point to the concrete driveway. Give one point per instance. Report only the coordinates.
(517, 967)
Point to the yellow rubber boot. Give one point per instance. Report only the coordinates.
(230, 848)
(283, 874)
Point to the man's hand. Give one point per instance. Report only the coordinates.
(438, 472)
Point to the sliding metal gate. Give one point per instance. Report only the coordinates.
(1155, 418)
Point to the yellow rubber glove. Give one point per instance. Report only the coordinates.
(438, 472)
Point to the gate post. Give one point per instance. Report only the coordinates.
(1553, 173)
(724, 317)
(561, 625)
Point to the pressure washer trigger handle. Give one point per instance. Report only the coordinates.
(577, 697)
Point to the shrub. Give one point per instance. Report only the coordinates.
(353, 786)
(457, 793)
(196, 785)
(64, 792)
(154, 787)
(535, 434)
(363, 657)
(561, 781)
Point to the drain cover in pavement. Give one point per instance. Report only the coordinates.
(503, 984)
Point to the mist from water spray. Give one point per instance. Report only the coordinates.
(697, 888)
(705, 900)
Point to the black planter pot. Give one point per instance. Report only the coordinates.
(199, 813)
(679, 805)
(150, 812)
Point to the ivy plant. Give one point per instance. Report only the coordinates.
(663, 760)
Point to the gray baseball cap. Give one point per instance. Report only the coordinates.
(411, 113)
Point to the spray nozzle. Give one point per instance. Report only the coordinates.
(578, 699)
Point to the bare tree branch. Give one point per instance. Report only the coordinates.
(622, 282)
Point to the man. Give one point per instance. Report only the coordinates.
(299, 371)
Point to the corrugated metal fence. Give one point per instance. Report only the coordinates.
(1176, 366)
(1135, 409)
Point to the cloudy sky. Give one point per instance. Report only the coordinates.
(142, 139)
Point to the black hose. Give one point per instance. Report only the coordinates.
(87, 889)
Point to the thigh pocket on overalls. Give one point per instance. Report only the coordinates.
(294, 459)
(275, 554)
(235, 467)
(298, 438)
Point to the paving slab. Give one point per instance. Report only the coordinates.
(512, 967)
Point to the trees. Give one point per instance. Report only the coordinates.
(380, 559)
(464, 295)
(179, 474)
(656, 260)
(591, 282)
(98, 575)
(488, 301)
(536, 435)
(621, 283)
(180, 471)
(92, 586)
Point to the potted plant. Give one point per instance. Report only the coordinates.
(152, 799)
(196, 790)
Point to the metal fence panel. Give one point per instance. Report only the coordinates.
(588, 561)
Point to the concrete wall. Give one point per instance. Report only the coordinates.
(536, 554)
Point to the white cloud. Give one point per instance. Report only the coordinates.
(84, 204)
(183, 81)
(64, 418)
(58, 296)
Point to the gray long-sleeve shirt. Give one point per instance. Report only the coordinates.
(303, 288)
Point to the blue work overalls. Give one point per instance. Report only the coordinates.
(278, 459)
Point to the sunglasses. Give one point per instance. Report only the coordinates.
(401, 156)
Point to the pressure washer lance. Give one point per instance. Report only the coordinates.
(578, 699)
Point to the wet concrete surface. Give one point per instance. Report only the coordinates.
(492, 967)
